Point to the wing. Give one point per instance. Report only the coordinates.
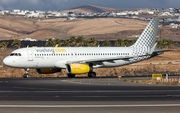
(101, 59)
(156, 51)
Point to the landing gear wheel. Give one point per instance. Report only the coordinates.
(26, 75)
(71, 75)
(92, 74)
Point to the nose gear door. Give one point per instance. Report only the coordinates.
(30, 55)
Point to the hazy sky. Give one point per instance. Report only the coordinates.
(59, 5)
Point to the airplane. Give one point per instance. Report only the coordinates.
(82, 60)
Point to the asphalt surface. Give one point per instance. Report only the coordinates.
(86, 95)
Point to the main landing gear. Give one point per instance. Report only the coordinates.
(26, 75)
(71, 75)
(92, 74)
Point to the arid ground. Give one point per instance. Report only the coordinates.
(168, 62)
(12, 27)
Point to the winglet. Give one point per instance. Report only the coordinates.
(56, 45)
(152, 49)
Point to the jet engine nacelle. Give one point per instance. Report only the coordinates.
(47, 71)
(78, 68)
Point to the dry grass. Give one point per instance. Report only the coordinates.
(15, 26)
(105, 25)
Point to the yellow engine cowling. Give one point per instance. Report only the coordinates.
(47, 71)
(78, 68)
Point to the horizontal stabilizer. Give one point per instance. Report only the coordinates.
(160, 51)
(152, 49)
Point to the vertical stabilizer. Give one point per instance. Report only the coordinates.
(148, 37)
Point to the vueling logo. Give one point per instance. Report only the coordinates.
(60, 50)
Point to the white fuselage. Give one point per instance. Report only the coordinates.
(57, 57)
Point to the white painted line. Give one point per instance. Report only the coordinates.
(107, 91)
(136, 96)
(87, 106)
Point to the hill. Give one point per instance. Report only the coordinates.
(91, 9)
(101, 28)
(98, 9)
(20, 28)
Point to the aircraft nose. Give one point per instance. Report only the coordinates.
(6, 61)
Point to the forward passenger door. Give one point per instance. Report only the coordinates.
(30, 55)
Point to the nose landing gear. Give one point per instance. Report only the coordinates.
(92, 74)
(26, 75)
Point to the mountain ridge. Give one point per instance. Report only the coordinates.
(92, 9)
(98, 9)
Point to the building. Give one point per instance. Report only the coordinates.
(16, 10)
(35, 15)
(121, 14)
(151, 12)
(2, 12)
(28, 39)
(71, 18)
(21, 13)
(173, 25)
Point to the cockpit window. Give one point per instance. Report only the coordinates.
(12, 54)
(19, 54)
(15, 54)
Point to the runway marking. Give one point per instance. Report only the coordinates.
(34, 88)
(87, 106)
(107, 91)
(4, 81)
(57, 96)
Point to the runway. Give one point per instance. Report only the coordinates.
(86, 95)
